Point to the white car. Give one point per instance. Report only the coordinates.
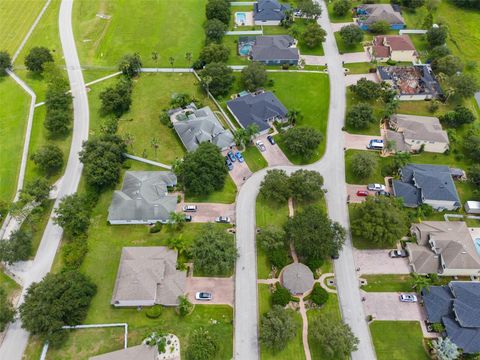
(410, 298)
(205, 296)
(222, 219)
(260, 145)
(376, 187)
(190, 208)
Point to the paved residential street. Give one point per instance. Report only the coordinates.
(16, 338)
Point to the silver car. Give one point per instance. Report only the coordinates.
(202, 295)
(261, 145)
(410, 298)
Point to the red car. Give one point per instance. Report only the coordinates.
(362, 193)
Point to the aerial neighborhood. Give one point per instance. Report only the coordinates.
(248, 180)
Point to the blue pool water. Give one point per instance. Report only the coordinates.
(477, 245)
(245, 50)
(240, 18)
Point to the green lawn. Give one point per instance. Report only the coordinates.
(360, 68)
(254, 158)
(264, 299)
(169, 28)
(344, 48)
(10, 286)
(387, 283)
(338, 19)
(376, 176)
(13, 121)
(37, 227)
(398, 340)
(225, 196)
(16, 17)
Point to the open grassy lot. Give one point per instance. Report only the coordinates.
(169, 28)
(11, 287)
(398, 340)
(387, 283)
(225, 196)
(254, 158)
(359, 68)
(344, 48)
(16, 17)
(13, 121)
(331, 307)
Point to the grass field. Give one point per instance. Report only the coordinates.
(398, 340)
(13, 122)
(16, 17)
(171, 29)
(11, 287)
(254, 158)
(387, 283)
(37, 227)
(344, 48)
(225, 196)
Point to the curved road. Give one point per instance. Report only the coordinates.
(16, 338)
(332, 167)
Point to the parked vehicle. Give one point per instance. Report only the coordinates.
(410, 298)
(231, 156)
(398, 253)
(383, 193)
(190, 208)
(260, 145)
(222, 219)
(376, 187)
(188, 218)
(362, 193)
(375, 144)
(202, 295)
(228, 163)
(270, 139)
(239, 156)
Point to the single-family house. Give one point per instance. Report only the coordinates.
(147, 276)
(368, 14)
(392, 47)
(139, 352)
(416, 82)
(445, 248)
(195, 126)
(411, 133)
(143, 198)
(260, 108)
(269, 12)
(457, 307)
(270, 50)
(427, 184)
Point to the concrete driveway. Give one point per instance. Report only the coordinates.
(356, 57)
(314, 60)
(240, 172)
(359, 142)
(338, 26)
(221, 289)
(273, 154)
(352, 192)
(207, 212)
(378, 262)
(352, 79)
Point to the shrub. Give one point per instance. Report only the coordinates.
(157, 227)
(319, 295)
(154, 312)
(73, 253)
(184, 306)
(314, 264)
(281, 296)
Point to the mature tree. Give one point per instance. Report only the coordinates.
(5, 62)
(271, 238)
(254, 76)
(130, 65)
(37, 57)
(73, 215)
(244, 136)
(473, 175)
(277, 328)
(218, 9)
(302, 141)
(58, 300)
(366, 90)
(180, 100)
(438, 52)
(445, 349)
(220, 78)
(203, 170)
(202, 344)
(49, 158)
(334, 336)
(471, 144)
(306, 185)
(117, 99)
(313, 35)
(448, 65)
(360, 116)
(214, 52)
(464, 85)
(17, 248)
(214, 251)
(475, 4)
(364, 164)
(176, 220)
(413, 4)
(437, 36)
(459, 116)
(57, 103)
(351, 34)
(319, 295)
(341, 7)
(313, 234)
(293, 116)
(102, 158)
(383, 221)
(6, 310)
(37, 190)
(310, 9)
(281, 296)
(215, 30)
(57, 122)
(419, 282)
(379, 27)
(276, 186)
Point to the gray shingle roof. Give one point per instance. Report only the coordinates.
(467, 339)
(274, 48)
(202, 125)
(143, 197)
(257, 109)
(149, 274)
(424, 128)
(380, 12)
(269, 10)
(297, 278)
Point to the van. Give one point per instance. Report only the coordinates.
(375, 145)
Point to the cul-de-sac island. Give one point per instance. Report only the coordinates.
(239, 179)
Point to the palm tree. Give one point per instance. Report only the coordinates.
(251, 131)
(188, 57)
(129, 139)
(176, 220)
(419, 282)
(241, 137)
(171, 60)
(154, 143)
(155, 58)
(293, 116)
(176, 165)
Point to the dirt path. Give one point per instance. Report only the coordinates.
(303, 313)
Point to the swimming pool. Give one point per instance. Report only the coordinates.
(241, 18)
(245, 50)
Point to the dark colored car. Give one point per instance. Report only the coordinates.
(188, 218)
(362, 193)
(382, 193)
(228, 163)
(231, 156)
(270, 139)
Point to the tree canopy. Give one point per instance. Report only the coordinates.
(366, 90)
(302, 141)
(334, 337)
(313, 35)
(464, 85)
(37, 57)
(48, 158)
(73, 215)
(379, 27)
(117, 99)
(254, 76)
(130, 65)
(306, 185)
(459, 116)
(277, 328)
(360, 116)
(271, 238)
(214, 52)
(5, 62)
(217, 78)
(214, 30)
(309, 9)
(449, 65)
(276, 186)
(17, 248)
(363, 164)
(351, 34)
(202, 344)
(6, 310)
(437, 36)
(218, 9)
(341, 7)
